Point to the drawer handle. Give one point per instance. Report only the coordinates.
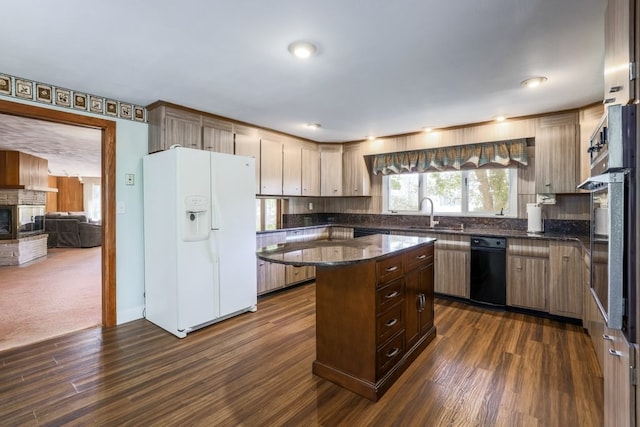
(392, 295)
(615, 353)
(607, 337)
(389, 323)
(423, 256)
(390, 269)
(393, 352)
(519, 268)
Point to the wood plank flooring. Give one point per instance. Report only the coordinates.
(484, 368)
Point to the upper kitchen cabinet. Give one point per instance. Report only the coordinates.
(355, 175)
(169, 126)
(310, 169)
(271, 166)
(247, 143)
(619, 53)
(330, 169)
(217, 135)
(292, 168)
(557, 159)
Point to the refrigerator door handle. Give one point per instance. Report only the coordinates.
(214, 252)
(215, 214)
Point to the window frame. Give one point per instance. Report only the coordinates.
(513, 197)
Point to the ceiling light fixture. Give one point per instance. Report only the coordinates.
(313, 125)
(302, 49)
(427, 130)
(533, 82)
(500, 119)
(371, 137)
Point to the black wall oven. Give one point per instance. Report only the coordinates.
(613, 215)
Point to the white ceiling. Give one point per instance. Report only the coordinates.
(384, 67)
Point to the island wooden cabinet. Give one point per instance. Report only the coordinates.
(355, 175)
(310, 170)
(618, 52)
(169, 126)
(365, 313)
(565, 279)
(557, 159)
(527, 273)
(217, 136)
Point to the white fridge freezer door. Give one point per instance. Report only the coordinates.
(233, 200)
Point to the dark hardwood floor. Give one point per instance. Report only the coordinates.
(484, 368)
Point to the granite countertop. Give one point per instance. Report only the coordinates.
(340, 252)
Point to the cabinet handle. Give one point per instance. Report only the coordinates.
(390, 269)
(615, 353)
(607, 337)
(519, 268)
(615, 89)
(423, 256)
(565, 258)
(393, 352)
(419, 302)
(391, 322)
(392, 295)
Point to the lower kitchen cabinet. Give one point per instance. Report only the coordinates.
(271, 276)
(565, 279)
(418, 296)
(619, 394)
(527, 273)
(451, 265)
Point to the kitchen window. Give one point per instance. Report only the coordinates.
(474, 192)
(268, 214)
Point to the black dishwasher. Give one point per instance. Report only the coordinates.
(488, 270)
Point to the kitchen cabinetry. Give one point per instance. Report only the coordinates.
(340, 233)
(169, 126)
(310, 170)
(292, 168)
(330, 170)
(303, 273)
(527, 267)
(271, 275)
(557, 160)
(452, 258)
(217, 135)
(418, 288)
(355, 175)
(565, 279)
(619, 397)
(271, 167)
(247, 143)
(619, 52)
(361, 320)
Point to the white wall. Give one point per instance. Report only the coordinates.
(131, 145)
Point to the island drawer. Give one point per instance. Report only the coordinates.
(389, 295)
(389, 323)
(418, 257)
(389, 269)
(390, 354)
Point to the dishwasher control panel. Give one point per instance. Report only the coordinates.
(488, 242)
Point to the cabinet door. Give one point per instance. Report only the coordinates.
(418, 303)
(331, 171)
(565, 280)
(556, 163)
(527, 282)
(217, 138)
(183, 132)
(310, 171)
(270, 275)
(355, 175)
(270, 167)
(292, 169)
(618, 52)
(619, 398)
(249, 145)
(452, 272)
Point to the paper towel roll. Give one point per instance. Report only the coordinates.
(534, 218)
(602, 221)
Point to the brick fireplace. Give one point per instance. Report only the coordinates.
(22, 237)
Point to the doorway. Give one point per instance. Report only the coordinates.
(108, 157)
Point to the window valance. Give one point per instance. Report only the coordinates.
(501, 153)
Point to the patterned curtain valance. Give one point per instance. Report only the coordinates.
(501, 153)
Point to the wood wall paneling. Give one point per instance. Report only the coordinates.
(70, 194)
(52, 196)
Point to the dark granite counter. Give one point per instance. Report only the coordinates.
(340, 252)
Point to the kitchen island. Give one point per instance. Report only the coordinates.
(374, 306)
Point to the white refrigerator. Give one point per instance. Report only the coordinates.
(199, 238)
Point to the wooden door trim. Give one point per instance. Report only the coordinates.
(108, 182)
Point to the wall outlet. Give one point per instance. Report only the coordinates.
(128, 178)
(546, 199)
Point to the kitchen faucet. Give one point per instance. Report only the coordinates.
(432, 222)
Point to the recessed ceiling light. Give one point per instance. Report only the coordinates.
(302, 49)
(533, 82)
(371, 137)
(313, 125)
(427, 129)
(500, 119)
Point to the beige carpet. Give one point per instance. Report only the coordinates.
(51, 296)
